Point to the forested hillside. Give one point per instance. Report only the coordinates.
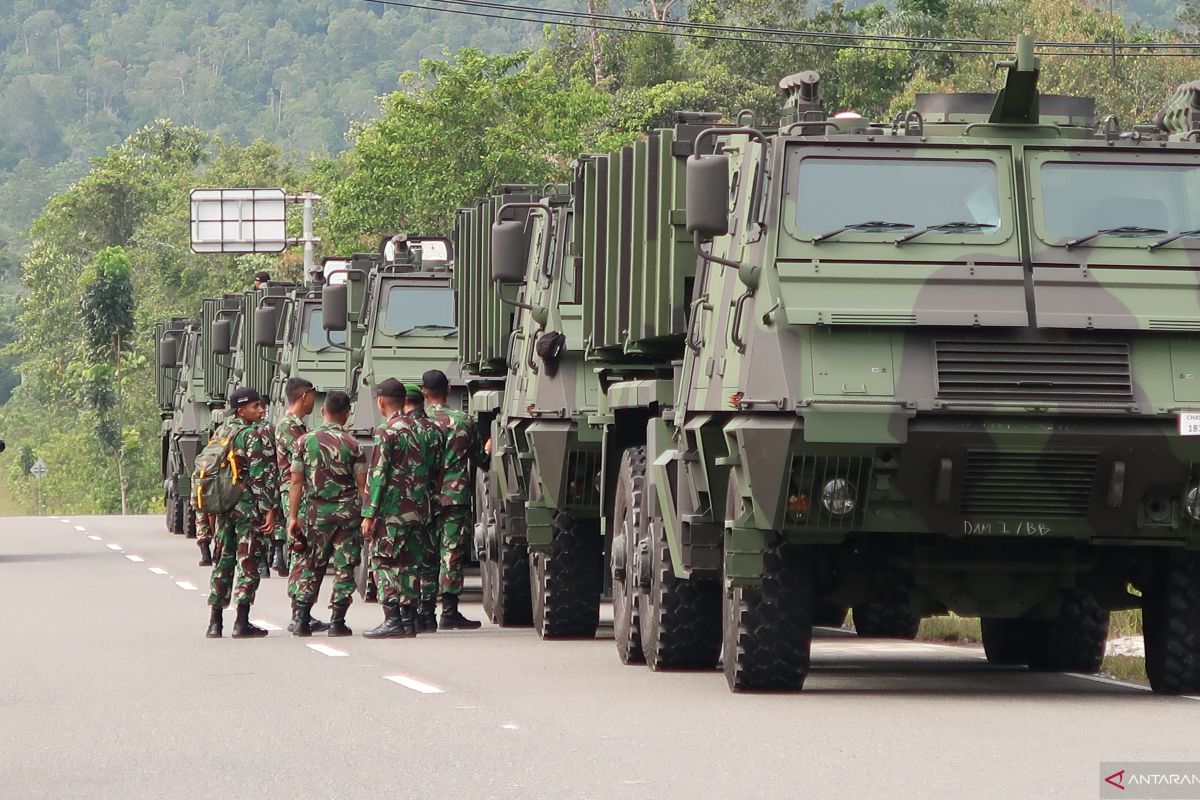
(171, 95)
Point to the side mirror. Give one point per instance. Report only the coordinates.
(708, 196)
(168, 352)
(334, 307)
(508, 252)
(222, 337)
(266, 321)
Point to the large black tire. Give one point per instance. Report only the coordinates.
(886, 618)
(566, 582)
(176, 509)
(1006, 642)
(767, 636)
(1074, 640)
(503, 567)
(680, 619)
(629, 528)
(1171, 624)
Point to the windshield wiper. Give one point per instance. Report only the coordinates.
(1174, 237)
(945, 226)
(1132, 230)
(878, 225)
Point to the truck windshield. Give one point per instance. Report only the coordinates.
(407, 307)
(316, 338)
(918, 193)
(1143, 200)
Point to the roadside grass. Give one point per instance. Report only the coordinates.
(9, 507)
(1125, 668)
(950, 628)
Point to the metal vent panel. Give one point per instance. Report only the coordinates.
(1030, 484)
(1180, 324)
(1045, 371)
(872, 319)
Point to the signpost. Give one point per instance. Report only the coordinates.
(39, 470)
(249, 221)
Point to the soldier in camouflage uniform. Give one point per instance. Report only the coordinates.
(329, 472)
(395, 515)
(462, 453)
(301, 396)
(241, 534)
(265, 431)
(430, 440)
(204, 522)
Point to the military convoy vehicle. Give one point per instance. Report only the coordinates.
(749, 378)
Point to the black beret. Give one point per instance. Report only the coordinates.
(391, 388)
(436, 381)
(262, 276)
(244, 397)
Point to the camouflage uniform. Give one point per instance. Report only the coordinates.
(463, 451)
(330, 460)
(238, 539)
(397, 498)
(432, 446)
(288, 431)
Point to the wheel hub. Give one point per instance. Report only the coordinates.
(618, 557)
(641, 561)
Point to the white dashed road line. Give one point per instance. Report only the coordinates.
(80, 528)
(67, 521)
(326, 650)
(266, 626)
(95, 538)
(135, 559)
(113, 546)
(157, 570)
(187, 587)
(509, 727)
(414, 684)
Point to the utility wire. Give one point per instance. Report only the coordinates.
(680, 28)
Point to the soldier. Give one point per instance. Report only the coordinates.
(462, 454)
(301, 396)
(265, 431)
(204, 525)
(240, 534)
(261, 279)
(329, 470)
(429, 439)
(395, 515)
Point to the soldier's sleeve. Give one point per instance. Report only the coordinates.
(358, 465)
(377, 473)
(264, 473)
(297, 461)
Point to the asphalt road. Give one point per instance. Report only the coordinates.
(108, 689)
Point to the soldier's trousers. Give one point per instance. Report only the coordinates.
(337, 543)
(397, 554)
(429, 567)
(281, 516)
(204, 531)
(238, 549)
(451, 524)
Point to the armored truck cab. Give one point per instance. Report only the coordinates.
(939, 364)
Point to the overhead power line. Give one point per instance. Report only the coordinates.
(781, 36)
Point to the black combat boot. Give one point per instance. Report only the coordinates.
(205, 554)
(302, 620)
(278, 562)
(408, 621)
(242, 629)
(427, 617)
(215, 625)
(391, 628)
(315, 625)
(337, 622)
(451, 619)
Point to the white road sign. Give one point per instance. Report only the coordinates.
(39, 470)
(239, 220)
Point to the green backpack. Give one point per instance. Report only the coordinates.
(216, 482)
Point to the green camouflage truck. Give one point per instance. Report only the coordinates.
(944, 363)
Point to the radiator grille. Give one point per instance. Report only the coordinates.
(1034, 371)
(1030, 484)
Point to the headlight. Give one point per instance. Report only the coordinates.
(838, 497)
(1191, 503)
